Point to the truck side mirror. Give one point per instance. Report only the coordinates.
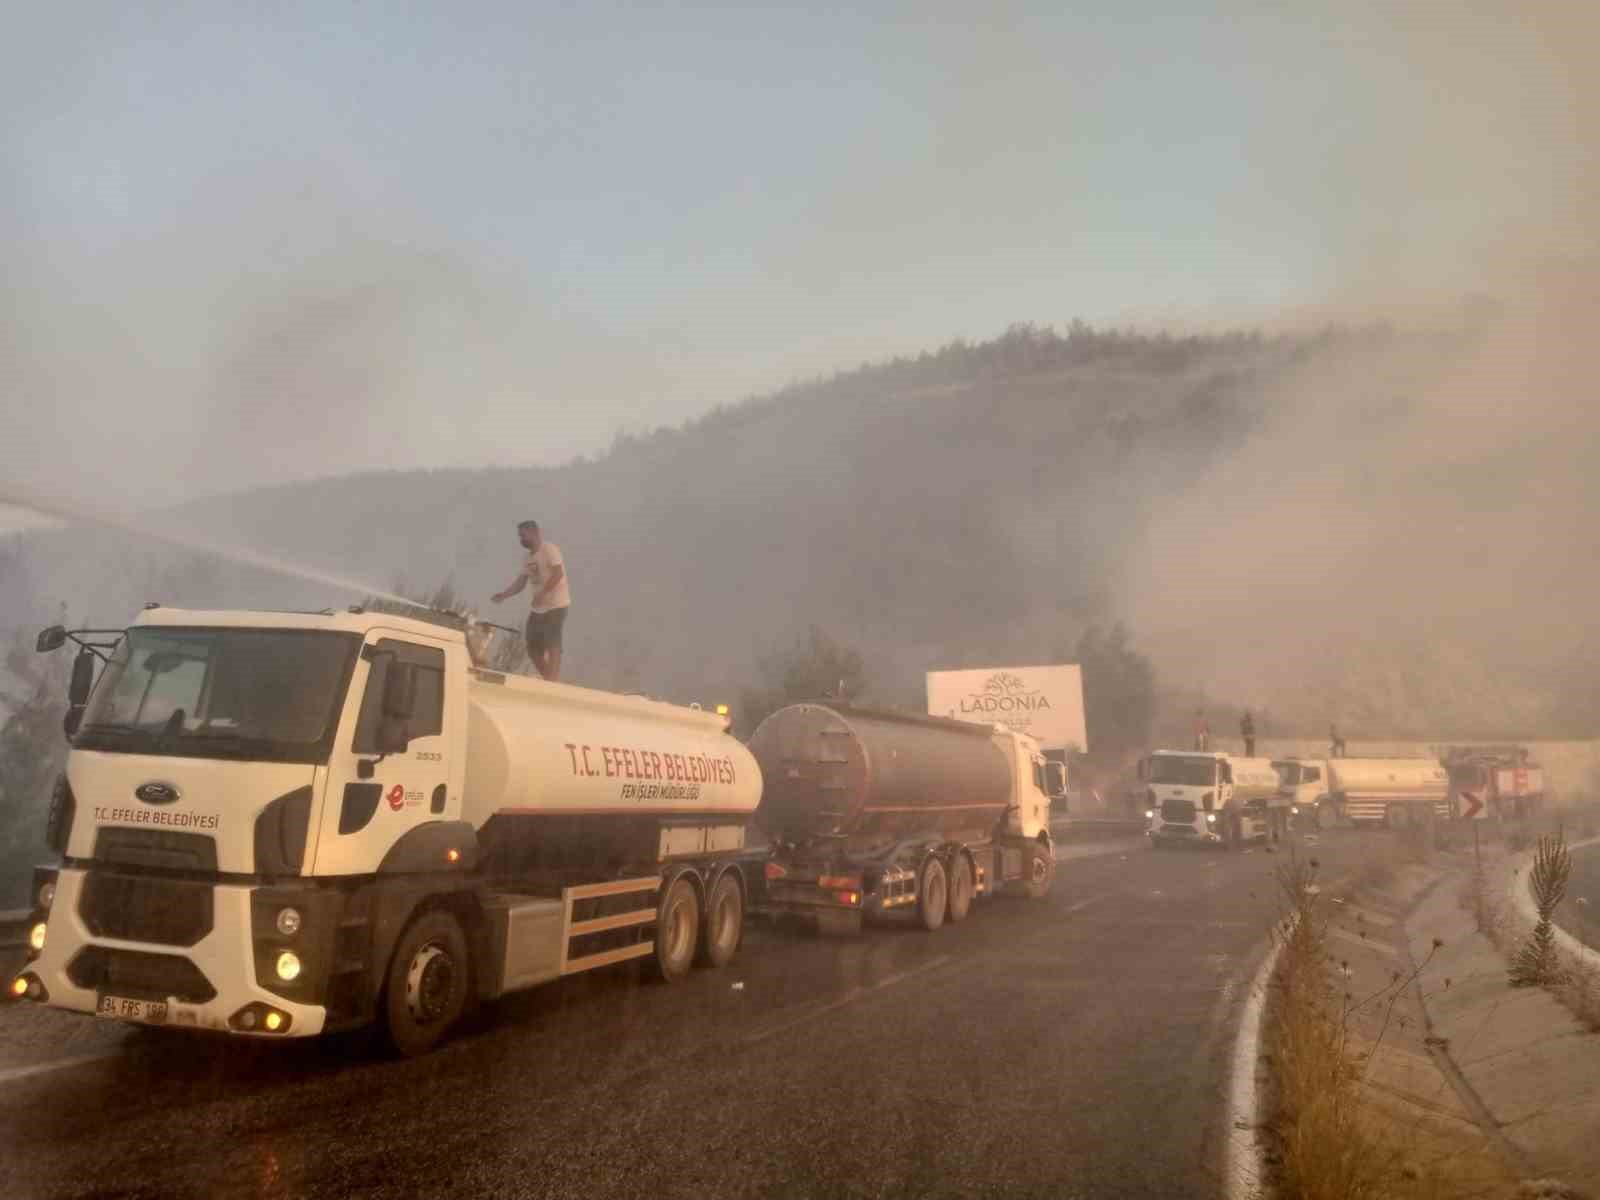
(50, 639)
(82, 679)
(394, 736)
(1143, 770)
(78, 689)
(1055, 778)
(400, 691)
(1226, 774)
(399, 705)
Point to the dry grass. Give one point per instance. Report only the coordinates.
(1334, 1141)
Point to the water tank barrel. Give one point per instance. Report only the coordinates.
(868, 775)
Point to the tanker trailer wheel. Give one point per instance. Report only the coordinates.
(961, 888)
(426, 989)
(723, 925)
(677, 931)
(932, 894)
(1038, 870)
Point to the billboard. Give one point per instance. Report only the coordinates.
(1046, 703)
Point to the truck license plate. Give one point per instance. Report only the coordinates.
(151, 1012)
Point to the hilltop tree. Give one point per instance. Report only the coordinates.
(32, 753)
(814, 668)
(1119, 692)
(447, 606)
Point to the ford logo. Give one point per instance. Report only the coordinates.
(156, 793)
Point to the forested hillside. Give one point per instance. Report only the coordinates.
(980, 504)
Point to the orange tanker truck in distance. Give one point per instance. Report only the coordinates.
(875, 812)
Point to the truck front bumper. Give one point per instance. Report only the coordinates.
(1185, 834)
(210, 984)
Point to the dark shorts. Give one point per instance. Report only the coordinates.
(544, 630)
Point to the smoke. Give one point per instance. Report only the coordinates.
(1411, 529)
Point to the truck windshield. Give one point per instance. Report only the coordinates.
(1189, 772)
(1288, 773)
(270, 694)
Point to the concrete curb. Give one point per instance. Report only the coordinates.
(1522, 899)
(1244, 1151)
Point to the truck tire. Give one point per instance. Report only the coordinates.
(1327, 816)
(1039, 870)
(961, 888)
(723, 924)
(677, 931)
(429, 979)
(933, 894)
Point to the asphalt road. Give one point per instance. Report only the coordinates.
(1580, 914)
(1076, 1046)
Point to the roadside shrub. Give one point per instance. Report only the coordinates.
(1538, 963)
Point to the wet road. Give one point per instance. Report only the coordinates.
(1072, 1047)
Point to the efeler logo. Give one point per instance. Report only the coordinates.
(157, 793)
(1004, 696)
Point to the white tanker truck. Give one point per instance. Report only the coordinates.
(1371, 791)
(1208, 798)
(277, 824)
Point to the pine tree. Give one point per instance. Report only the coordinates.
(32, 753)
(1538, 963)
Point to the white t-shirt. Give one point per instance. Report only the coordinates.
(540, 564)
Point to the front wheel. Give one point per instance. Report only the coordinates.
(426, 989)
(1038, 871)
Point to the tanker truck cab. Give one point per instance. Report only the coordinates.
(276, 824)
(1303, 786)
(1206, 798)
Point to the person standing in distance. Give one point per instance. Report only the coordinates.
(552, 594)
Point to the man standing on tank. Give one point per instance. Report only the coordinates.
(546, 571)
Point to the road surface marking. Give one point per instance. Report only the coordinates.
(1083, 904)
(12, 1074)
(850, 997)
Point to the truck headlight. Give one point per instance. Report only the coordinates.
(288, 966)
(1294, 810)
(1149, 814)
(36, 937)
(1211, 818)
(288, 922)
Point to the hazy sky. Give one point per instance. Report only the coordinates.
(277, 241)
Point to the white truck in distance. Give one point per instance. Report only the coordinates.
(276, 824)
(1376, 791)
(1204, 798)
